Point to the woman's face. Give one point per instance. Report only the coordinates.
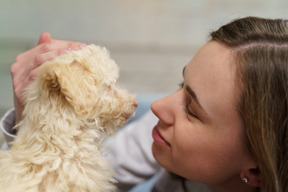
(200, 134)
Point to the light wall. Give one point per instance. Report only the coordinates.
(150, 40)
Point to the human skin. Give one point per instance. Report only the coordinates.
(25, 68)
(203, 139)
(210, 148)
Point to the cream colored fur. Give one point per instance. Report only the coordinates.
(70, 107)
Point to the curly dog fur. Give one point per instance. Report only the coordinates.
(70, 107)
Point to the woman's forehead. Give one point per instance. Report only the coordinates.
(212, 76)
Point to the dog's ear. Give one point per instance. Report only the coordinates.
(75, 78)
(69, 84)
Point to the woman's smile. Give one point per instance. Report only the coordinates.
(158, 138)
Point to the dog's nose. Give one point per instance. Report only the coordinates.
(135, 104)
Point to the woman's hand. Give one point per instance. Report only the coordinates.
(26, 65)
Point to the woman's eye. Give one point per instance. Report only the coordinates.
(187, 110)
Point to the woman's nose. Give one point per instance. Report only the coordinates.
(163, 109)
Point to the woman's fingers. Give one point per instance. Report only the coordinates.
(44, 37)
(25, 68)
(35, 57)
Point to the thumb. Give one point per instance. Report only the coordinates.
(44, 37)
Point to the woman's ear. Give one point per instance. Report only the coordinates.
(251, 176)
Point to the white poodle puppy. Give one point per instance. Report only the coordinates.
(70, 107)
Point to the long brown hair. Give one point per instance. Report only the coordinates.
(261, 56)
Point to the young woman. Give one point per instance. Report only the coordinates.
(224, 129)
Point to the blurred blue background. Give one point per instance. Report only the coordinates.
(150, 40)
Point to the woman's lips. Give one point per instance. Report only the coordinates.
(159, 138)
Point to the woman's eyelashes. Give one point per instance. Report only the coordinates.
(181, 85)
(187, 103)
(188, 112)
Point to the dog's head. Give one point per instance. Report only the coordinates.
(82, 83)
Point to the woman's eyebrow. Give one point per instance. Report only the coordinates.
(195, 98)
